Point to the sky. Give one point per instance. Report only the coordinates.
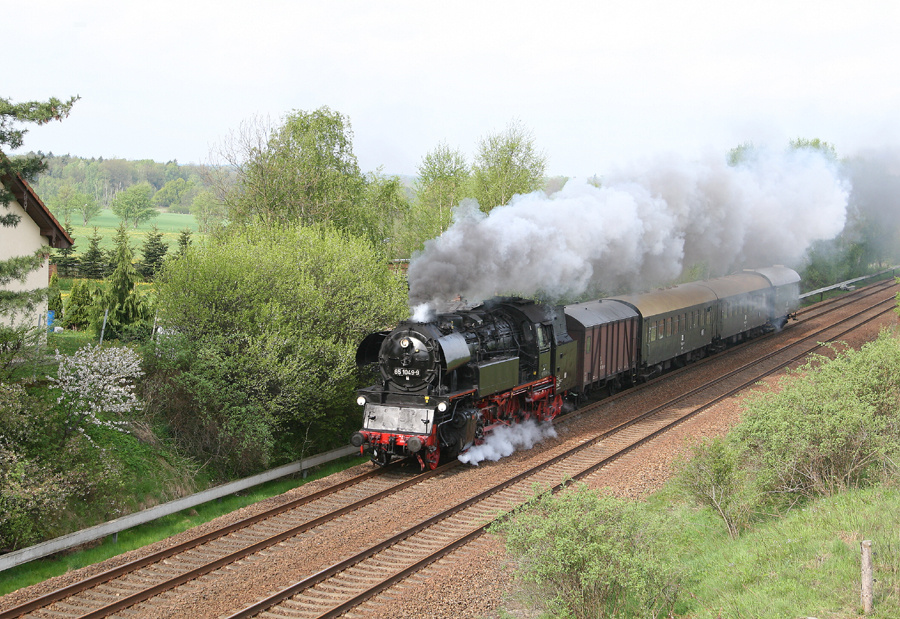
(599, 84)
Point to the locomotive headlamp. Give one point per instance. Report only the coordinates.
(442, 407)
(404, 343)
(361, 400)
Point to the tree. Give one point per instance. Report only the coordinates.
(171, 193)
(78, 307)
(97, 383)
(16, 340)
(741, 153)
(815, 144)
(54, 298)
(387, 204)
(93, 262)
(184, 242)
(442, 183)
(31, 495)
(86, 206)
(69, 201)
(65, 258)
(11, 136)
(507, 164)
(263, 326)
(134, 204)
(209, 211)
(120, 305)
(61, 205)
(154, 253)
(874, 206)
(303, 171)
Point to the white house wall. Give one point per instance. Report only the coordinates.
(23, 240)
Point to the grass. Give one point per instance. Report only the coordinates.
(170, 224)
(137, 537)
(804, 564)
(68, 342)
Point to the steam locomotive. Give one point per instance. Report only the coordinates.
(445, 384)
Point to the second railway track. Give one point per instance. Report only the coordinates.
(141, 592)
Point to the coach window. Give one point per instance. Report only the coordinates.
(652, 334)
(668, 327)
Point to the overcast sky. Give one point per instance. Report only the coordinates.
(599, 83)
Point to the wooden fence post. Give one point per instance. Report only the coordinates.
(868, 579)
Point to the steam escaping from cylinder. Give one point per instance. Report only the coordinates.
(642, 227)
(506, 440)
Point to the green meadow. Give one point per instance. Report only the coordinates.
(170, 224)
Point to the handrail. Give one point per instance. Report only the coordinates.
(820, 291)
(112, 527)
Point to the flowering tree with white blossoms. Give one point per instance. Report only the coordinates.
(97, 383)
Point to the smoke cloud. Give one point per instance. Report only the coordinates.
(643, 226)
(505, 440)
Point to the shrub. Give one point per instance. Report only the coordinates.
(31, 494)
(589, 555)
(712, 476)
(78, 307)
(262, 328)
(831, 426)
(96, 386)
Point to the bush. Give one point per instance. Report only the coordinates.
(589, 555)
(21, 349)
(261, 333)
(78, 307)
(712, 476)
(97, 388)
(829, 427)
(31, 495)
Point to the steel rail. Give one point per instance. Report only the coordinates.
(327, 573)
(156, 557)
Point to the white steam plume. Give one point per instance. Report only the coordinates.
(505, 440)
(643, 226)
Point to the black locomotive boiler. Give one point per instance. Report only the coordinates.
(448, 382)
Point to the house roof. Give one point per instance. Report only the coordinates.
(37, 210)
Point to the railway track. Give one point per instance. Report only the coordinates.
(124, 587)
(354, 581)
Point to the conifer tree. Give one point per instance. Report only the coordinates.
(78, 306)
(154, 251)
(16, 340)
(65, 258)
(184, 242)
(122, 301)
(93, 262)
